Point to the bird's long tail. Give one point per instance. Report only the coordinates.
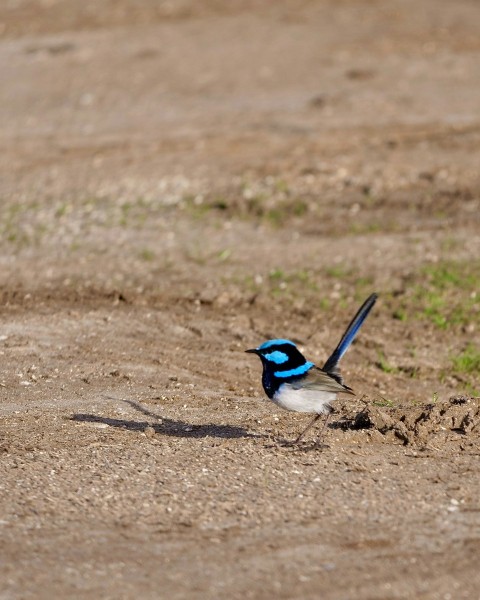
(331, 366)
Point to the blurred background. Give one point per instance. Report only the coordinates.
(259, 156)
(179, 181)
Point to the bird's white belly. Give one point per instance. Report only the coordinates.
(303, 400)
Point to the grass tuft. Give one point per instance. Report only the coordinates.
(467, 361)
(384, 365)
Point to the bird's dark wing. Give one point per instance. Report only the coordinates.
(317, 379)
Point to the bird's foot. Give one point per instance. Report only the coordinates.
(287, 443)
(319, 445)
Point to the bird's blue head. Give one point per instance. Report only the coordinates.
(282, 362)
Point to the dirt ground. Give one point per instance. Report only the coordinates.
(180, 181)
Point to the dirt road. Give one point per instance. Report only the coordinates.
(180, 181)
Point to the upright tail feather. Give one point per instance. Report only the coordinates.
(331, 366)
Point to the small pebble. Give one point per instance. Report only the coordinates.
(149, 431)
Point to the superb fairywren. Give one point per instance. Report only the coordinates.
(296, 384)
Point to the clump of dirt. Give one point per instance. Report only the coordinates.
(460, 414)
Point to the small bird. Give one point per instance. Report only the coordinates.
(294, 383)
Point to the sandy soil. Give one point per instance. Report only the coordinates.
(180, 181)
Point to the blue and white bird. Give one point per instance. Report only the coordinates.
(294, 383)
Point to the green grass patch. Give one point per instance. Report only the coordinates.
(444, 275)
(445, 294)
(465, 367)
(225, 254)
(449, 293)
(146, 254)
(467, 361)
(372, 227)
(269, 203)
(293, 283)
(338, 272)
(384, 365)
(385, 402)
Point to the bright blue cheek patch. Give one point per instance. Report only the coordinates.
(301, 370)
(277, 357)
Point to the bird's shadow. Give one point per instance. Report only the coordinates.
(165, 426)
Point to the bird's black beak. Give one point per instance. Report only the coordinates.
(252, 351)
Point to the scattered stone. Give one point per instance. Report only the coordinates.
(149, 431)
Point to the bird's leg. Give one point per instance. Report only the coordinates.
(317, 443)
(309, 426)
